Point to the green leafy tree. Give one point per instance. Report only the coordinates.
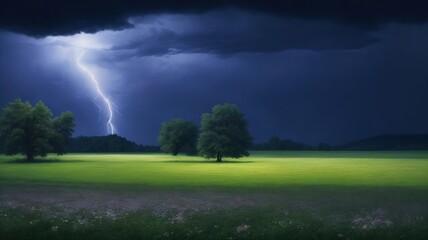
(224, 133)
(32, 131)
(39, 131)
(63, 126)
(13, 126)
(178, 135)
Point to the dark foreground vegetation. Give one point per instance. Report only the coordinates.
(238, 224)
(294, 213)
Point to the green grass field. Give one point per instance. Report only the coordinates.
(261, 170)
(269, 195)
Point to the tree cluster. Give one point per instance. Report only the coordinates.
(223, 133)
(33, 131)
(178, 135)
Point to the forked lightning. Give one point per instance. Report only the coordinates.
(110, 125)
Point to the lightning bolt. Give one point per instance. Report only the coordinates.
(110, 125)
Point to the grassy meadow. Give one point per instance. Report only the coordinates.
(261, 170)
(269, 195)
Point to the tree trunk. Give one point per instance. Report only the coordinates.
(29, 149)
(30, 157)
(219, 157)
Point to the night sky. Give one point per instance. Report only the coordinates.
(313, 71)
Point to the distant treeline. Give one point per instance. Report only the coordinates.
(415, 142)
(275, 143)
(110, 143)
(397, 142)
(114, 143)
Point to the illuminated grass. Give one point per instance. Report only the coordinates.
(261, 170)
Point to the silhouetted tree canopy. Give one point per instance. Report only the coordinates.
(224, 133)
(32, 130)
(178, 135)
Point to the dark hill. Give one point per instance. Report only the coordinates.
(389, 142)
(110, 143)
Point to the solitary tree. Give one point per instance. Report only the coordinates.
(224, 133)
(178, 135)
(32, 131)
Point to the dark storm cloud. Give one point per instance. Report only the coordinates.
(328, 96)
(52, 17)
(231, 32)
(308, 96)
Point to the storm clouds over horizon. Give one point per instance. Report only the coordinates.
(311, 71)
